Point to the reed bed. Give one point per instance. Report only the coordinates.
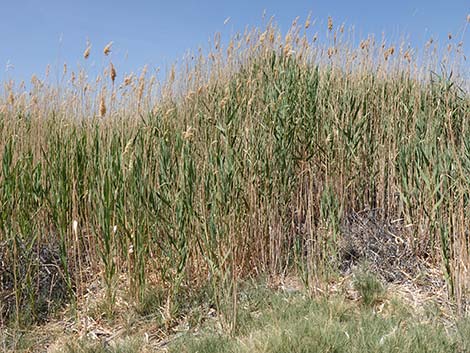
(244, 160)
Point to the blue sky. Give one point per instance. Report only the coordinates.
(35, 33)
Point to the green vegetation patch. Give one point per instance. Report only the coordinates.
(283, 322)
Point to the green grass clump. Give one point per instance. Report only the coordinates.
(295, 323)
(369, 287)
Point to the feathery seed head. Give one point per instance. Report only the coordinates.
(307, 22)
(86, 53)
(364, 44)
(332, 51)
(34, 80)
(389, 52)
(271, 37)
(288, 39)
(172, 73)
(102, 106)
(248, 38)
(288, 50)
(429, 43)
(407, 56)
(128, 79)
(294, 23)
(107, 48)
(230, 49)
(330, 23)
(112, 72)
(262, 37)
(11, 98)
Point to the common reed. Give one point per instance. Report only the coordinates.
(244, 160)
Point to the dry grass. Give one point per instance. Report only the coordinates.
(400, 318)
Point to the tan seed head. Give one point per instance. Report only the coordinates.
(86, 53)
(307, 23)
(128, 79)
(112, 72)
(331, 51)
(272, 37)
(11, 98)
(102, 107)
(107, 48)
(407, 56)
(389, 52)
